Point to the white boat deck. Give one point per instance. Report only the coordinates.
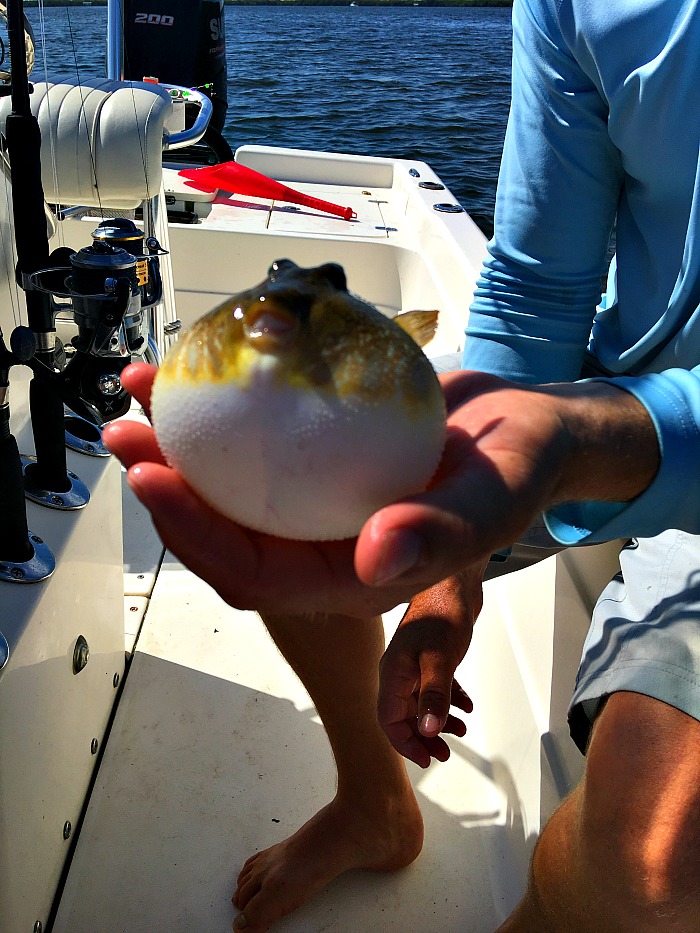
(216, 752)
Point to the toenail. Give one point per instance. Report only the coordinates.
(240, 923)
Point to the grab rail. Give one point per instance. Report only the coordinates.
(195, 132)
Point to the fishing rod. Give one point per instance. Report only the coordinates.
(108, 287)
(23, 141)
(24, 557)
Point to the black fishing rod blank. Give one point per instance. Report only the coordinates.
(47, 473)
(24, 557)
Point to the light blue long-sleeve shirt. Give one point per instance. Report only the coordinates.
(604, 129)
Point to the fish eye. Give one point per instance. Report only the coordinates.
(334, 274)
(280, 265)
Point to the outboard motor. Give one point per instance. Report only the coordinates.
(179, 42)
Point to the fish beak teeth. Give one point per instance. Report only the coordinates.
(270, 329)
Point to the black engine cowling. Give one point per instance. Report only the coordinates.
(178, 42)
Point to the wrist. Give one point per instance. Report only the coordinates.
(455, 600)
(611, 443)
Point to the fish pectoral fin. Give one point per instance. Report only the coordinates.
(420, 325)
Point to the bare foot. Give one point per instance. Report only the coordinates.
(339, 837)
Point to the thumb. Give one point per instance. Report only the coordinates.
(466, 514)
(435, 694)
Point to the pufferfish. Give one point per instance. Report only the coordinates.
(297, 409)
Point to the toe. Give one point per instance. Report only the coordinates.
(257, 918)
(248, 864)
(245, 891)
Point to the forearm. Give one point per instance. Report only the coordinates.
(613, 450)
(649, 501)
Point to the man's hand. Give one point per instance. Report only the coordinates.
(417, 686)
(511, 451)
(248, 569)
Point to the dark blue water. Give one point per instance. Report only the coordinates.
(416, 82)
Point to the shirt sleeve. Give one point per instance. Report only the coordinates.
(530, 320)
(672, 399)
(557, 195)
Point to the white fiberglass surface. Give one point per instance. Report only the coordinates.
(216, 752)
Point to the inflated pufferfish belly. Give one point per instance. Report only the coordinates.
(297, 409)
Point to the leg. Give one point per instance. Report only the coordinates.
(373, 821)
(621, 853)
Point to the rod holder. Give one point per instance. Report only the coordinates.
(83, 436)
(76, 496)
(24, 557)
(38, 567)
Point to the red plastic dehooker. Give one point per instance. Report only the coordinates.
(239, 179)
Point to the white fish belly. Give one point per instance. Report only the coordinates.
(293, 462)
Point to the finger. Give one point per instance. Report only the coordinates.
(425, 539)
(200, 537)
(405, 740)
(460, 698)
(422, 750)
(398, 679)
(428, 537)
(132, 442)
(396, 705)
(137, 379)
(455, 726)
(434, 698)
(483, 496)
(436, 748)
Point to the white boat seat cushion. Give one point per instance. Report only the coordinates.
(101, 142)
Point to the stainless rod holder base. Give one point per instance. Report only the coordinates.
(76, 497)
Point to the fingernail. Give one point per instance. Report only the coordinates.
(133, 477)
(141, 490)
(430, 724)
(401, 551)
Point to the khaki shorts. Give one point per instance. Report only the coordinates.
(645, 632)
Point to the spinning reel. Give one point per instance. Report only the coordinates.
(109, 286)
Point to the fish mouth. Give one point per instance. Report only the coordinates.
(284, 302)
(270, 327)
